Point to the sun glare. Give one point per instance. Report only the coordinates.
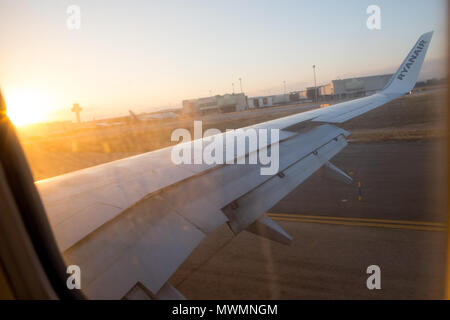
(26, 107)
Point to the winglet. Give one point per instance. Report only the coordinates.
(404, 80)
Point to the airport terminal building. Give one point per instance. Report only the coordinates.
(225, 103)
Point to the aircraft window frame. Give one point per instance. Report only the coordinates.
(32, 212)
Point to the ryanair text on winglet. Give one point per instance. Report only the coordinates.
(232, 147)
(415, 54)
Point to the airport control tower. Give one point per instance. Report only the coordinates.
(77, 109)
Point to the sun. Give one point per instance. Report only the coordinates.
(26, 107)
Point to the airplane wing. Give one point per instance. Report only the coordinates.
(135, 220)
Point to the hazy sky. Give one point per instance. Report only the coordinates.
(145, 55)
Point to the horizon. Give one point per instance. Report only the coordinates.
(146, 58)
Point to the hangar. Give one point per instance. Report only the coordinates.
(225, 103)
(261, 102)
(276, 100)
(359, 87)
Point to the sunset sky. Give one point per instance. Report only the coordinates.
(149, 55)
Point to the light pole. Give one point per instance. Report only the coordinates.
(232, 84)
(240, 83)
(315, 83)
